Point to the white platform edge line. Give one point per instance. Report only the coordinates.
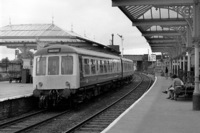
(15, 97)
(125, 112)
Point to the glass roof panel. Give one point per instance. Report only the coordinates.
(164, 13)
(137, 11)
(147, 15)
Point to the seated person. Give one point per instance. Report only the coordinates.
(174, 88)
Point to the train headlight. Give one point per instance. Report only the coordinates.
(67, 84)
(40, 84)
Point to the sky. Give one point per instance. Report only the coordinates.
(95, 19)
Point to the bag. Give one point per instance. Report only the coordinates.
(171, 88)
(177, 89)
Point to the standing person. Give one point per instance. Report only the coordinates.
(166, 73)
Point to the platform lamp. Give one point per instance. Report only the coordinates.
(122, 39)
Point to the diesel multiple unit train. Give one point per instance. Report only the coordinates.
(62, 72)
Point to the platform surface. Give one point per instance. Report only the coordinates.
(155, 114)
(14, 90)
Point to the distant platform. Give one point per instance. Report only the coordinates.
(14, 90)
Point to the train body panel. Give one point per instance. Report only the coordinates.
(98, 79)
(127, 66)
(56, 82)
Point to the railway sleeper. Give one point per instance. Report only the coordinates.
(94, 126)
(114, 115)
(96, 123)
(107, 119)
(90, 129)
(103, 120)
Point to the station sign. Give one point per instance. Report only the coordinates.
(152, 57)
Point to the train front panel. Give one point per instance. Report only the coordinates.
(56, 72)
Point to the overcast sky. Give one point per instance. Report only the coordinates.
(97, 19)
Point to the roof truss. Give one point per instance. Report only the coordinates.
(163, 23)
(150, 2)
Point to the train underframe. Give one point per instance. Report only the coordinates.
(52, 98)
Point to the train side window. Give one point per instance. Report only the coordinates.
(86, 67)
(126, 65)
(108, 63)
(67, 65)
(112, 66)
(93, 66)
(105, 66)
(41, 66)
(118, 64)
(98, 66)
(101, 66)
(53, 65)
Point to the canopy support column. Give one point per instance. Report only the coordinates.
(188, 67)
(196, 40)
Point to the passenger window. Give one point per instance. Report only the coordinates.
(101, 66)
(93, 66)
(108, 64)
(53, 65)
(111, 66)
(114, 67)
(67, 65)
(86, 67)
(120, 67)
(41, 66)
(98, 67)
(105, 66)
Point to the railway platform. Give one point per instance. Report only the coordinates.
(153, 113)
(14, 90)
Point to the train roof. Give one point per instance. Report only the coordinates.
(62, 49)
(125, 59)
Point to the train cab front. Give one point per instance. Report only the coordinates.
(54, 78)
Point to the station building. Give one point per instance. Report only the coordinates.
(26, 37)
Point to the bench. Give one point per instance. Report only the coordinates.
(186, 91)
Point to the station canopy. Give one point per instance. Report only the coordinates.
(33, 35)
(164, 23)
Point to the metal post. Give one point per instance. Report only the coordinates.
(196, 40)
(196, 94)
(184, 73)
(188, 67)
(112, 39)
(122, 39)
(173, 66)
(177, 66)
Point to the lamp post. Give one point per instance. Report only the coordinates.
(122, 39)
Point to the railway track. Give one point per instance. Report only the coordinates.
(29, 121)
(96, 123)
(103, 118)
